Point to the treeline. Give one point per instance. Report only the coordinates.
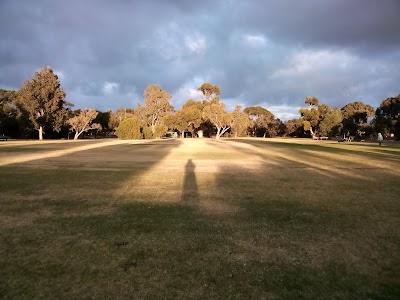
(40, 109)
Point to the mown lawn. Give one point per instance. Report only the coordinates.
(199, 219)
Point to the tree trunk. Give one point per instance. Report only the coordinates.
(40, 133)
(312, 132)
(218, 133)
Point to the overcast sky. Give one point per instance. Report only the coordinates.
(271, 53)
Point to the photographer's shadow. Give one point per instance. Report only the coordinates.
(190, 193)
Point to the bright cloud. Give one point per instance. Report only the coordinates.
(313, 61)
(110, 87)
(196, 43)
(255, 40)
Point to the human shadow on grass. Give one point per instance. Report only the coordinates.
(190, 193)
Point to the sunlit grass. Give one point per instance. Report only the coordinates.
(185, 219)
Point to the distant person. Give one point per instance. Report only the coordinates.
(380, 138)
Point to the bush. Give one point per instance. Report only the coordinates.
(147, 133)
(160, 130)
(129, 129)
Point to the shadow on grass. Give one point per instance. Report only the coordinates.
(319, 242)
(190, 192)
(288, 240)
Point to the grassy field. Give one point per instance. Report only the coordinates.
(199, 219)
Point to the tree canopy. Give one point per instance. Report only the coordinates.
(156, 106)
(44, 101)
(209, 91)
(83, 122)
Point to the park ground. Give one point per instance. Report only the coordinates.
(199, 219)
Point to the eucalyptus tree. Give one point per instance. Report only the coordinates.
(320, 119)
(240, 122)
(188, 118)
(355, 117)
(157, 105)
(209, 90)
(83, 122)
(43, 99)
(261, 117)
(214, 112)
(10, 114)
(387, 118)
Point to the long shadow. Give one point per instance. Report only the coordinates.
(374, 152)
(190, 193)
(280, 244)
(308, 236)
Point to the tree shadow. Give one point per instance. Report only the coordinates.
(190, 193)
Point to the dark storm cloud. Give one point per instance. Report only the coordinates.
(271, 52)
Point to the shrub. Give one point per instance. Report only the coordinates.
(147, 133)
(160, 130)
(129, 129)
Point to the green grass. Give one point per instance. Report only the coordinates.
(201, 219)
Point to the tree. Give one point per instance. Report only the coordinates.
(311, 101)
(330, 122)
(387, 117)
(209, 91)
(320, 118)
(355, 117)
(44, 101)
(240, 122)
(294, 127)
(276, 128)
(214, 112)
(262, 118)
(156, 105)
(310, 116)
(10, 114)
(129, 129)
(118, 116)
(83, 122)
(188, 118)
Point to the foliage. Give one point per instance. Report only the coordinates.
(214, 112)
(104, 118)
(129, 129)
(320, 118)
(188, 118)
(118, 116)
(147, 133)
(294, 128)
(159, 130)
(209, 91)
(83, 122)
(44, 101)
(11, 117)
(311, 101)
(330, 122)
(262, 119)
(240, 122)
(387, 118)
(355, 117)
(275, 128)
(156, 106)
